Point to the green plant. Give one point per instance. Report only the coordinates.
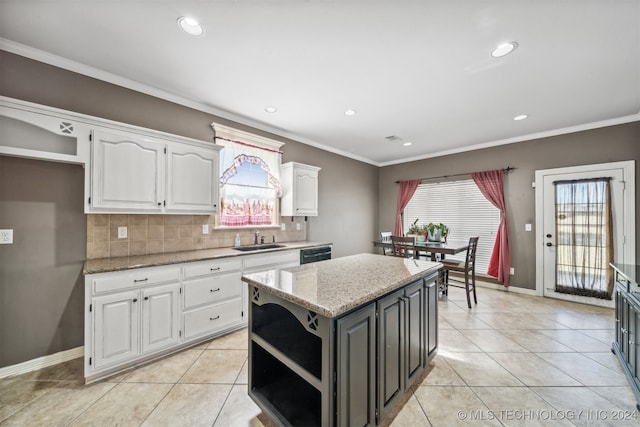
(415, 228)
(433, 229)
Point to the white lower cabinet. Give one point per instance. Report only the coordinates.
(160, 317)
(212, 298)
(115, 333)
(140, 314)
(212, 318)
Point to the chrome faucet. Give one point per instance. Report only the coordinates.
(255, 240)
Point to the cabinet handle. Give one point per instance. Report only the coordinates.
(624, 331)
(140, 280)
(631, 342)
(159, 204)
(146, 298)
(214, 290)
(215, 269)
(135, 300)
(214, 318)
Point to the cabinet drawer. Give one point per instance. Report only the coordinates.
(207, 290)
(213, 266)
(106, 282)
(284, 257)
(212, 318)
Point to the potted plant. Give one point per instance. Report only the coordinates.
(437, 232)
(417, 232)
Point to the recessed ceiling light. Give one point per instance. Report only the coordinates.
(520, 117)
(270, 109)
(190, 26)
(406, 144)
(504, 49)
(350, 112)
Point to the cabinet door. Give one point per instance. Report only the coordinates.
(356, 368)
(391, 365)
(431, 318)
(160, 317)
(414, 331)
(126, 173)
(619, 317)
(632, 333)
(634, 341)
(192, 179)
(115, 332)
(305, 192)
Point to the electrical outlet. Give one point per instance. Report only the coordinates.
(512, 271)
(283, 227)
(6, 237)
(205, 228)
(122, 232)
(298, 226)
(527, 227)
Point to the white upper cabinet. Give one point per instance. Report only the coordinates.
(192, 179)
(126, 173)
(133, 173)
(299, 189)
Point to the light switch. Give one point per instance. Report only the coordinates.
(6, 236)
(298, 226)
(283, 226)
(527, 227)
(205, 228)
(122, 232)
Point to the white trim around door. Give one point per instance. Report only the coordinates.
(625, 207)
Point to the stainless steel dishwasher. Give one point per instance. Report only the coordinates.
(319, 253)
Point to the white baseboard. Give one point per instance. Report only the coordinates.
(41, 362)
(513, 289)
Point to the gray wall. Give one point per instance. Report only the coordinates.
(41, 282)
(602, 145)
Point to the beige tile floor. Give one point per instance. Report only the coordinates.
(512, 360)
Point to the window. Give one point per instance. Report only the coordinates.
(249, 179)
(460, 206)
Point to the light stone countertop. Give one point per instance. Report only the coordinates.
(104, 265)
(334, 287)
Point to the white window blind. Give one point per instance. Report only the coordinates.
(460, 206)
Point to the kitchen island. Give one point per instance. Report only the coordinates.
(340, 342)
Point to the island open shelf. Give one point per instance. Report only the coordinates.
(315, 332)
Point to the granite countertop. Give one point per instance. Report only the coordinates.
(104, 265)
(333, 287)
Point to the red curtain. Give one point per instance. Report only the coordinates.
(491, 185)
(407, 188)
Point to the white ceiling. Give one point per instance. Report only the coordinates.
(420, 70)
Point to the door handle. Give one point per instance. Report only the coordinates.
(549, 244)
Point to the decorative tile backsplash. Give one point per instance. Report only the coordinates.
(156, 234)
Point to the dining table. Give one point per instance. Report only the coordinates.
(450, 247)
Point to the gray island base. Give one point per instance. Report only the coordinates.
(340, 342)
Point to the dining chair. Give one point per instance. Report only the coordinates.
(385, 237)
(403, 246)
(468, 267)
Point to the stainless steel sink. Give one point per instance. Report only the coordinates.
(257, 247)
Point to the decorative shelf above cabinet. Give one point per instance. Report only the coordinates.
(299, 189)
(128, 169)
